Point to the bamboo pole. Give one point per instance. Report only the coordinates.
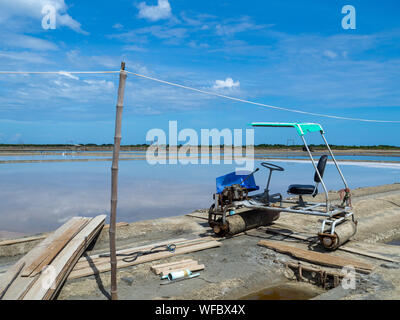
(114, 181)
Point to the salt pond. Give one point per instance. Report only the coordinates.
(37, 197)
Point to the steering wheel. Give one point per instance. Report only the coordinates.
(271, 166)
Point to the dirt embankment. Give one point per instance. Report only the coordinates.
(240, 267)
(34, 150)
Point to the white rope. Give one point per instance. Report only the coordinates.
(261, 104)
(56, 72)
(66, 73)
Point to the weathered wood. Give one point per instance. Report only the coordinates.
(316, 257)
(53, 249)
(96, 258)
(85, 262)
(65, 261)
(70, 265)
(367, 254)
(22, 284)
(99, 268)
(194, 267)
(319, 275)
(165, 265)
(345, 248)
(176, 266)
(8, 278)
(114, 181)
(22, 240)
(310, 268)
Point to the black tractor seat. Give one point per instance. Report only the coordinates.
(302, 189)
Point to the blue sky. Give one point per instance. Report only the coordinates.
(292, 54)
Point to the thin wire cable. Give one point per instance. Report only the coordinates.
(56, 72)
(66, 73)
(260, 104)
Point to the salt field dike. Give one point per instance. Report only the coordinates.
(237, 266)
(190, 159)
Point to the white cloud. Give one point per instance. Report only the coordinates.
(134, 48)
(154, 13)
(330, 54)
(10, 58)
(69, 75)
(11, 10)
(244, 24)
(26, 42)
(141, 35)
(100, 84)
(118, 26)
(16, 137)
(228, 83)
(196, 45)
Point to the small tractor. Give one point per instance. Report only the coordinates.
(338, 224)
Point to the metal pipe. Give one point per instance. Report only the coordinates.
(178, 274)
(291, 210)
(319, 175)
(334, 160)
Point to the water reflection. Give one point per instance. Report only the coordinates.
(37, 197)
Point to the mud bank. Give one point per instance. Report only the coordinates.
(240, 267)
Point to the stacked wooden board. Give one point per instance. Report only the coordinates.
(289, 233)
(41, 272)
(22, 240)
(96, 264)
(166, 268)
(325, 259)
(10, 242)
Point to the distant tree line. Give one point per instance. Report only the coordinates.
(259, 146)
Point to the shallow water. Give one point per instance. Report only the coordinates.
(395, 242)
(38, 197)
(65, 155)
(337, 157)
(281, 293)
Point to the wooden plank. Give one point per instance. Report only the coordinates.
(163, 265)
(345, 248)
(143, 247)
(194, 267)
(65, 261)
(368, 254)
(22, 284)
(176, 266)
(118, 224)
(22, 240)
(312, 268)
(83, 261)
(316, 257)
(96, 259)
(89, 261)
(104, 266)
(53, 249)
(147, 258)
(8, 278)
(68, 267)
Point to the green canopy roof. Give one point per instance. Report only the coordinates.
(302, 128)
